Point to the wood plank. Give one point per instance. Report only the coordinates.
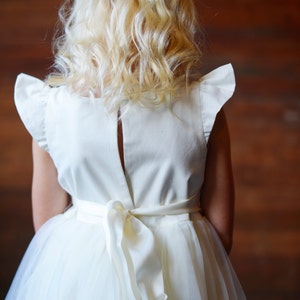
(261, 39)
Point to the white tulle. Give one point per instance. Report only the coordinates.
(67, 259)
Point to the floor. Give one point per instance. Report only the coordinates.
(262, 41)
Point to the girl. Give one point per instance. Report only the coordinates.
(129, 129)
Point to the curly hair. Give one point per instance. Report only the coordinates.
(137, 50)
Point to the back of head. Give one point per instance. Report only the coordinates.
(137, 50)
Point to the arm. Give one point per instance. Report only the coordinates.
(48, 198)
(217, 196)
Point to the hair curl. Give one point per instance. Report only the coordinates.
(137, 50)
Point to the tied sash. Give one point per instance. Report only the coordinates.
(131, 244)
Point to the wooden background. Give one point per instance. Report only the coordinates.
(261, 39)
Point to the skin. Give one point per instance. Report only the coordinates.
(48, 198)
(217, 198)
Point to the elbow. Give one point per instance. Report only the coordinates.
(227, 243)
(228, 247)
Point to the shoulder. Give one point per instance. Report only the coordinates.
(32, 97)
(213, 91)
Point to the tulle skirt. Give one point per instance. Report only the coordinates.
(68, 260)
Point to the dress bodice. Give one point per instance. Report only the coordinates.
(134, 213)
(164, 147)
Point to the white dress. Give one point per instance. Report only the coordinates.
(129, 235)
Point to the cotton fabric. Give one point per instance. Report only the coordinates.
(132, 233)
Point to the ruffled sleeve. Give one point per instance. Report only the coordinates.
(31, 100)
(215, 89)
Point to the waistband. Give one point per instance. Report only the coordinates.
(92, 212)
(131, 244)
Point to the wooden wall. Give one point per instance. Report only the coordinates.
(261, 40)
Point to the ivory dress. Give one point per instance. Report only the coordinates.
(133, 234)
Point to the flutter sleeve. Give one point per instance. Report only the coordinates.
(31, 101)
(215, 89)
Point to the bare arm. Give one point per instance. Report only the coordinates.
(217, 198)
(48, 198)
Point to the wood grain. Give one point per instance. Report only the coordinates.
(261, 39)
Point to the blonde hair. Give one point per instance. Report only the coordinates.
(137, 50)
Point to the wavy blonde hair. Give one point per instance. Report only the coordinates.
(137, 50)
